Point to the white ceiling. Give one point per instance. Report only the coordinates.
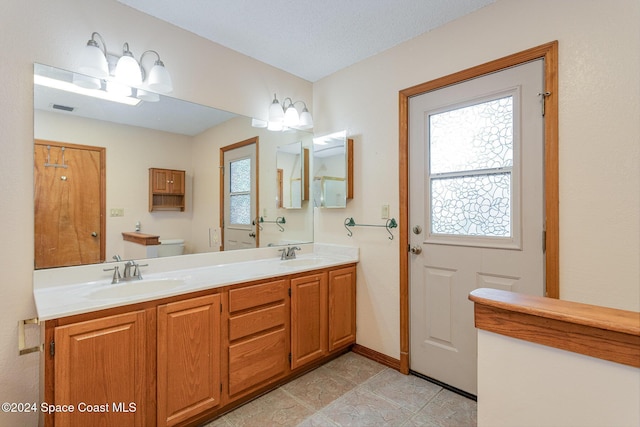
(308, 38)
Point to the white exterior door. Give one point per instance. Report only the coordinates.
(476, 210)
(240, 206)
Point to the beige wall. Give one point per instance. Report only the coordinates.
(599, 138)
(523, 384)
(599, 65)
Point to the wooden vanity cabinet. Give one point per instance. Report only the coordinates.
(342, 307)
(101, 369)
(323, 314)
(258, 336)
(309, 324)
(184, 359)
(166, 189)
(188, 378)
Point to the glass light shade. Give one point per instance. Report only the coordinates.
(291, 117)
(159, 79)
(128, 71)
(86, 81)
(93, 62)
(258, 123)
(306, 121)
(276, 126)
(145, 95)
(117, 88)
(276, 114)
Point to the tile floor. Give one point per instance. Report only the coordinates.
(354, 391)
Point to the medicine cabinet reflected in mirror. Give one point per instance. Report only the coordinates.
(168, 134)
(292, 175)
(332, 170)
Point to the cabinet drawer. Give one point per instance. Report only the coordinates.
(257, 360)
(257, 295)
(256, 321)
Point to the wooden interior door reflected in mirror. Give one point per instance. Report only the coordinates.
(69, 199)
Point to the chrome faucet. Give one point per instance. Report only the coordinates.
(127, 276)
(289, 252)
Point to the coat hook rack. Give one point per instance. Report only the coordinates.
(48, 164)
(279, 220)
(391, 223)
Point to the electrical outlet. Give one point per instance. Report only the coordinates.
(117, 212)
(384, 212)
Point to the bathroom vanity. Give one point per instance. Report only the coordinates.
(195, 342)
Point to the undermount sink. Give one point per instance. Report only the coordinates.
(303, 262)
(135, 288)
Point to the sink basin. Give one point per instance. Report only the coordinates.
(303, 262)
(135, 288)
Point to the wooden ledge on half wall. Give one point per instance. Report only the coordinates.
(602, 332)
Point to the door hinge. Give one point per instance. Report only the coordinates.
(544, 241)
(220, 387)
(544, 96)
(289, 357)
(220, 307)
(289, 292)
(52, 348)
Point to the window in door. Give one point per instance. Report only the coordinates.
(473, 173)
(240, 192)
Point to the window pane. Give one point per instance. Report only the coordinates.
(240, 209)
(474, 137)
(473, 205)
(240, 176)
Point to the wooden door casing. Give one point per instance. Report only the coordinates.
(69, 222)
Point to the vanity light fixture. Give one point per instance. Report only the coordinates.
(127, 72)
(286, 116)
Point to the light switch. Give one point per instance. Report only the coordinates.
(384, 212)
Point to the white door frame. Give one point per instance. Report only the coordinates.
(548, 52)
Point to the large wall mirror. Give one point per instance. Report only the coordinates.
(80, 138)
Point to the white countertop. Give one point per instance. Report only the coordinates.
(67, 291)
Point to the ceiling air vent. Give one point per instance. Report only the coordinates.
(62, 107)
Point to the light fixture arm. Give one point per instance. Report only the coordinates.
(93, 42)
(157, 62)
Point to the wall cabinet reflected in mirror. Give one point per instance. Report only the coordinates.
(332, 170)
(292, 175)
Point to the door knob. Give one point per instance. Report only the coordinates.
(416, 250)
(94, 234)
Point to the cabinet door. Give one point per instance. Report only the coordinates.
(342, 307)
(160, 180)
(100, 370)
(188, 358)
(177, 182)
(308, 319)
